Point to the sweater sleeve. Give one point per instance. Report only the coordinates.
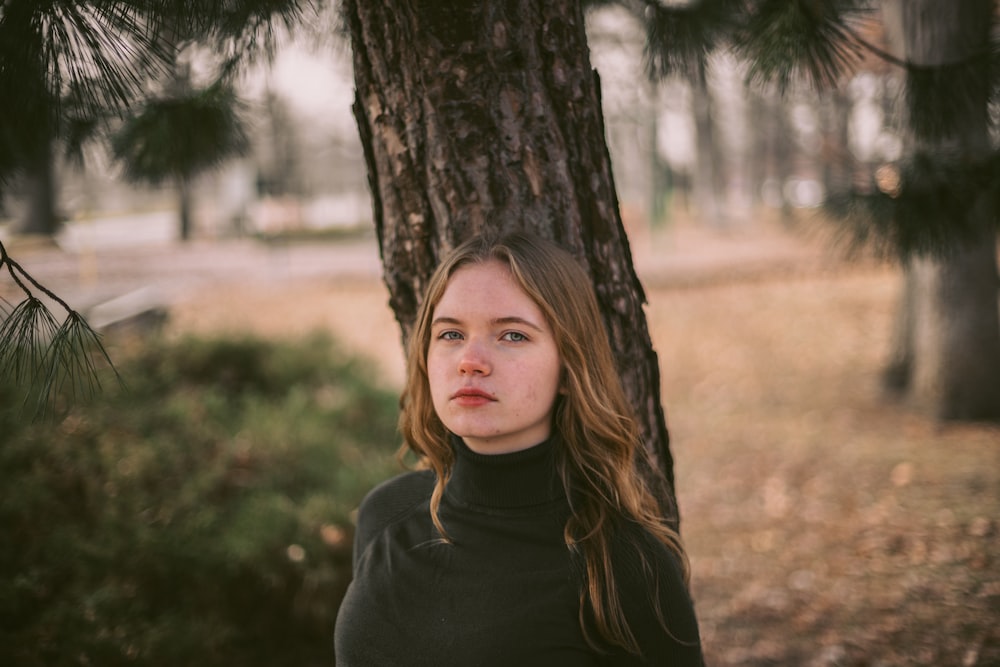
(643, 580)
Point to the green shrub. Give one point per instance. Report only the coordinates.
(199, 517)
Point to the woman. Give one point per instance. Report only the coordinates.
(529, 539)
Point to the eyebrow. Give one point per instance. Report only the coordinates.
(512, 319)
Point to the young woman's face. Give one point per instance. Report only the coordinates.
(492, 363)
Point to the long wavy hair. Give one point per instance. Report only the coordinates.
(599, 443)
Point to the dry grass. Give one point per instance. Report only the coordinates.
(825, 526)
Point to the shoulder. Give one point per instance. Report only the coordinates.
(388, 502)
(395, 496)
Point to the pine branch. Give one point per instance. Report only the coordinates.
(13, 268)
(679, 38)
(927, 205)
(941, 99)
(872, 49)
(941, 95)
(47, 359)
(784, 40)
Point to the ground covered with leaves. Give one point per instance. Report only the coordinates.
(825, 524)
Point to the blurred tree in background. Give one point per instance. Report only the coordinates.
(943, 201)
(79, 71)
(178, 137)
(78, 68)
(936, 206)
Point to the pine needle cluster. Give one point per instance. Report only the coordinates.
(49, 360)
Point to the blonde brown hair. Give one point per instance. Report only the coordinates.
(598, 443)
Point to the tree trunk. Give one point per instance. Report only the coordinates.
(487, 114)
(771, 152)
(709, 177)
(955, 341)
(40, 187)
(947, 356)
(184, 208)
(836, 160)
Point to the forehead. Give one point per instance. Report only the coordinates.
(486, 287)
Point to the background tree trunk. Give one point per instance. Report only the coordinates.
(488, 115)
(40, 215)
(709, 174)
(947, 360)
(184, 194)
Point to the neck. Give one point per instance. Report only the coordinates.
(524, 478)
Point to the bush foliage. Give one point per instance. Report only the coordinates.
(200, 516)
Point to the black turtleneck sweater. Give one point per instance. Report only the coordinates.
(505, 590)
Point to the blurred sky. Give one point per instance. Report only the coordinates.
(319, 84)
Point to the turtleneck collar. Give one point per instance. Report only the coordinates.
(518, 479)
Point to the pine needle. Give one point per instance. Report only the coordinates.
(680, 38)
(785, 40)
(928, 205)
(48, 360)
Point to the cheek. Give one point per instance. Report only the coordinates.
(435, 378)
(555, 376)
(433, 362)
(545, 388)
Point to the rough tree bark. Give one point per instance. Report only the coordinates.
(487, 114)
(946, 358)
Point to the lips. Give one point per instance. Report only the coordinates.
(471, 396)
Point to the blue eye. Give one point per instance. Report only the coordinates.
(514, 337)
(449, 335)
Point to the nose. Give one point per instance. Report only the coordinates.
(473, 361)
